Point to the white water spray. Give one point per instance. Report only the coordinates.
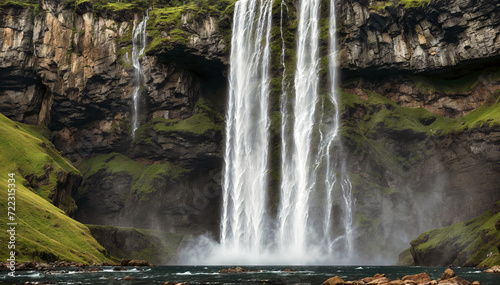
(244, 219)
(313, 168)
(138, 47)
(297, 187)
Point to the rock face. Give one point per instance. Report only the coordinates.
(447, 34)
(70, 68)
(471, 243)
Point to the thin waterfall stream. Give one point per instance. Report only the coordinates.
(138, 47)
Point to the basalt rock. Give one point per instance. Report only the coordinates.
(443, 36)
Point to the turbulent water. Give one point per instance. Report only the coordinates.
(138, 46)
(210, 275)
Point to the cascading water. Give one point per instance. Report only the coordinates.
(244, 219)
(138, 47)
(330, 152)
(297, 185)
(313, 168)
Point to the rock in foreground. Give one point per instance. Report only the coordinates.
(448, 278)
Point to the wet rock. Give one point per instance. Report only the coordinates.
(237, 269)
(138, 262)
(127, 278)
(454, 281)
(448, 273)
(336, 280)
(419, 278)
(124, 262)
(493, 269)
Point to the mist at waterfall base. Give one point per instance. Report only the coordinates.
(314, 221)
(313, 176)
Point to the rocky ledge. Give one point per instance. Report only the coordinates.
(448, 278)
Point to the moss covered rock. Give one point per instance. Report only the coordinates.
(472, 243)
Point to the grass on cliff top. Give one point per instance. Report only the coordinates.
(22, 4)
(154, 246)
(165, 25)
(474, 240)
(25, 150)
(381, 5)
(44, 232)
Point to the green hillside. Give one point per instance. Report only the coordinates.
(43, 232)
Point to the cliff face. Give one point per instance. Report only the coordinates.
(69, 68)
(420, 95)
(431, 159)
(444, 36)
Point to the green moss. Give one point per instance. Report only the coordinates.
(34, 156)
(405, 258)
(156, 176)
(109, 165)
(144, 179)
(204, 120)
(44, 232)
(165, 27)
(381, 5)
(457, 86)
(20, 4)
(473, 241)
(197, 124)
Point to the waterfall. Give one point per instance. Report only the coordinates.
(296, 187)
(313, 166)
(331, 152)
(314, 178)
(244, 218)
(138, 47)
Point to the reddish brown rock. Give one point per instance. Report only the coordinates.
(124, 262)
(336, 280)
(138, 262)
(494, 269)
(378, 281)
(396, 282)
(454, 281)
(448, 273)
(418, 278)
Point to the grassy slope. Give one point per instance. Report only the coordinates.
(44, 232)
(30, 153)
(473, 240)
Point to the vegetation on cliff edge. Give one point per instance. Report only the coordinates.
(472, 243)
(43, 232)
(29, 153)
